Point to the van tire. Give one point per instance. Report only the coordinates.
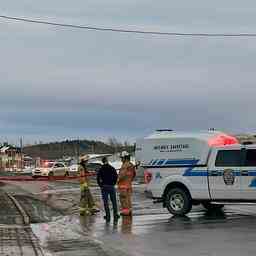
(210, 206)
(178, 201)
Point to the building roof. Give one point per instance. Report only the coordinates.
(5, 148)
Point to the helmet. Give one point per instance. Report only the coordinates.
(84, 158)
(124, 154)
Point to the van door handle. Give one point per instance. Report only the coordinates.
(214, 173)
(244, 173)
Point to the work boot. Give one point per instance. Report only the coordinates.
(107, 218)
(86, 212)
(116, 217)
(95, 210)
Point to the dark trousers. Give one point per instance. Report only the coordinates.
(109, 191)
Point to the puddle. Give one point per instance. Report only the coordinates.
(69, 235)
(38, 211)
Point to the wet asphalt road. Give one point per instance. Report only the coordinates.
(152, 230)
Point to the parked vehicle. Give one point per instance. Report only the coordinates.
(185, 169)
(50, 169)
(93, 165)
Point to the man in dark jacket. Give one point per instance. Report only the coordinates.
(107, 179)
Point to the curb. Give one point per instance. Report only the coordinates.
(25, 217)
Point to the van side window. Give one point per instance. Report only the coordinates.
(250, 157)
(228, 158)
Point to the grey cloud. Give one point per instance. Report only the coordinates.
(131, 83)
(177, 13)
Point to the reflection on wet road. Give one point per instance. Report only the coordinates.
(151, 231)
(228, 232)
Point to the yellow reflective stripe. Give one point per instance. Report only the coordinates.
(85, 210)
(83, 185)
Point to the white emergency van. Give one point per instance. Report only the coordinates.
(184, 169)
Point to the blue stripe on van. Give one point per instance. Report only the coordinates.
(252, 173)
(160, 162)
(191, 171)
(181, 162)
(195, 173)
(253, 184)
(155, 162)
(172, 162)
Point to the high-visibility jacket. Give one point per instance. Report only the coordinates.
(83, 178)
(126, 176)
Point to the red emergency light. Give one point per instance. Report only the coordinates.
(222, 140)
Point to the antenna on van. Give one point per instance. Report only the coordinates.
(164, 130)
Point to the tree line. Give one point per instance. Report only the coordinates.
(71, 148)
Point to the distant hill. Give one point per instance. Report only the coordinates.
(70, 148)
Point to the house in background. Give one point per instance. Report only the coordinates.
(28, 162)
(11, 158)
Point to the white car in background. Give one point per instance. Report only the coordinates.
(50, 169)
(92, 167)
(95, 163)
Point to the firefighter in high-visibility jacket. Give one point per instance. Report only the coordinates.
(126, 176)
(87, 204)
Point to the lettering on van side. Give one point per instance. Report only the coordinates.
(171, 148)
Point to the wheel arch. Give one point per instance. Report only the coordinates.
(175, 184)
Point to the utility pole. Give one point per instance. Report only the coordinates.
(21, 153)
(78, 150)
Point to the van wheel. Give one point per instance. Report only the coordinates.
(210, 206)
(178, 202)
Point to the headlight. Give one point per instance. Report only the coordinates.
(45, 171)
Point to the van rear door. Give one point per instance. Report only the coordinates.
(224, 173)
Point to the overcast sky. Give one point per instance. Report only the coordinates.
(58, 83)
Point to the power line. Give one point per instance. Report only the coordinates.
(109, 29)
